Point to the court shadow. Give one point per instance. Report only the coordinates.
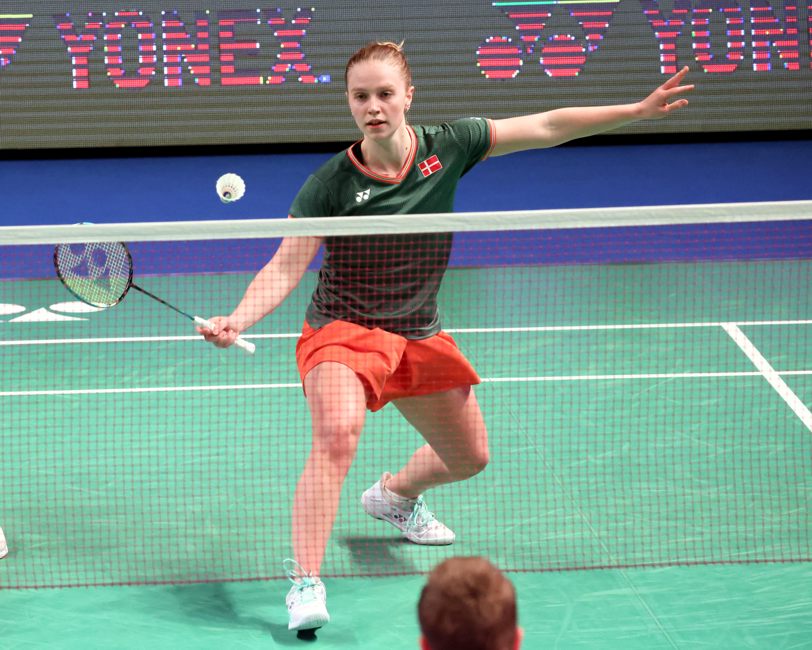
(374, 555)
(212, 603)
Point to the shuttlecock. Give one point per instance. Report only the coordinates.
(230, 187)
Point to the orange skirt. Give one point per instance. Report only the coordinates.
(391, 366)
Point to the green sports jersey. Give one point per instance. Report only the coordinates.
(390, 281)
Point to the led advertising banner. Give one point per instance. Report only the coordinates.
(164, 72)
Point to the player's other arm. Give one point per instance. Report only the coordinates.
(554, 127)
(267, 290)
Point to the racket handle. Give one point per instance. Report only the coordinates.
(247, 346)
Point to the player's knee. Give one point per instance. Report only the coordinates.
(338, 440)
(472, 464)
(480, 461)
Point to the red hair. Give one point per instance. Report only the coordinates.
(391, 53)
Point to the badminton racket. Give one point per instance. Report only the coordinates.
(101, 274)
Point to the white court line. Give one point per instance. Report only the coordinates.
(132, 339)
(625, 326)
(653, 375)
(144, 389)
(774, 378)
(485, 380)
(764, 368)
(452, 330)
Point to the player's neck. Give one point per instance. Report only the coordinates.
(387, 156)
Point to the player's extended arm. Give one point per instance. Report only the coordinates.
(267, 290)
(551, 128)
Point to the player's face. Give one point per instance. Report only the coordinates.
(378, 98)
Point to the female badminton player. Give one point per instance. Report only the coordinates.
(371, 333)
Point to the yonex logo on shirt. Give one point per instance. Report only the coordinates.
(362, 196)
(430, 165)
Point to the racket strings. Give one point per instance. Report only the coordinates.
(98, 273)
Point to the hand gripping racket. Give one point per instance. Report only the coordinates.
(101, 274)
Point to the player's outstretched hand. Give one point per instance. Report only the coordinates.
(661, 102)
(222, 335)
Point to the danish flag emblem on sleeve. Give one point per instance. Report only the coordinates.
(429, 166)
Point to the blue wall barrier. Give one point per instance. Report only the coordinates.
(115, 190)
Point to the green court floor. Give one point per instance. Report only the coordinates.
(754, 606)
(649, 487)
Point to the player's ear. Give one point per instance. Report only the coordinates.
(409, 97)
(519, 638)
(424, 644)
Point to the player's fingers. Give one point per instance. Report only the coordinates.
(218, 324)
(675, 105)
(222, 335)
(679, 90)
(225, 339)
(212, 333)
(207, 335)
(676, 79)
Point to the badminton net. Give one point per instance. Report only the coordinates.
(646, 382)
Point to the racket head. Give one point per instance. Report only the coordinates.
(99, 274)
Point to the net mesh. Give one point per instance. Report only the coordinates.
(645, 381)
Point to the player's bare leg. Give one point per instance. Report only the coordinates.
(457, 448)
(452, 425)
(337, 404)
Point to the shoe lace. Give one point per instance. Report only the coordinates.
(421, 516)
(299, 577)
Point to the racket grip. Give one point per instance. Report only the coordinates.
(247, 346)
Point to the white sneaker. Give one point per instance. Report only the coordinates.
(306, 600)
(3, 545)
(412, 517)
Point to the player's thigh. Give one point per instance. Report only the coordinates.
(336, 397)
(451, 422)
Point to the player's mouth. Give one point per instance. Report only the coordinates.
(375, 123)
